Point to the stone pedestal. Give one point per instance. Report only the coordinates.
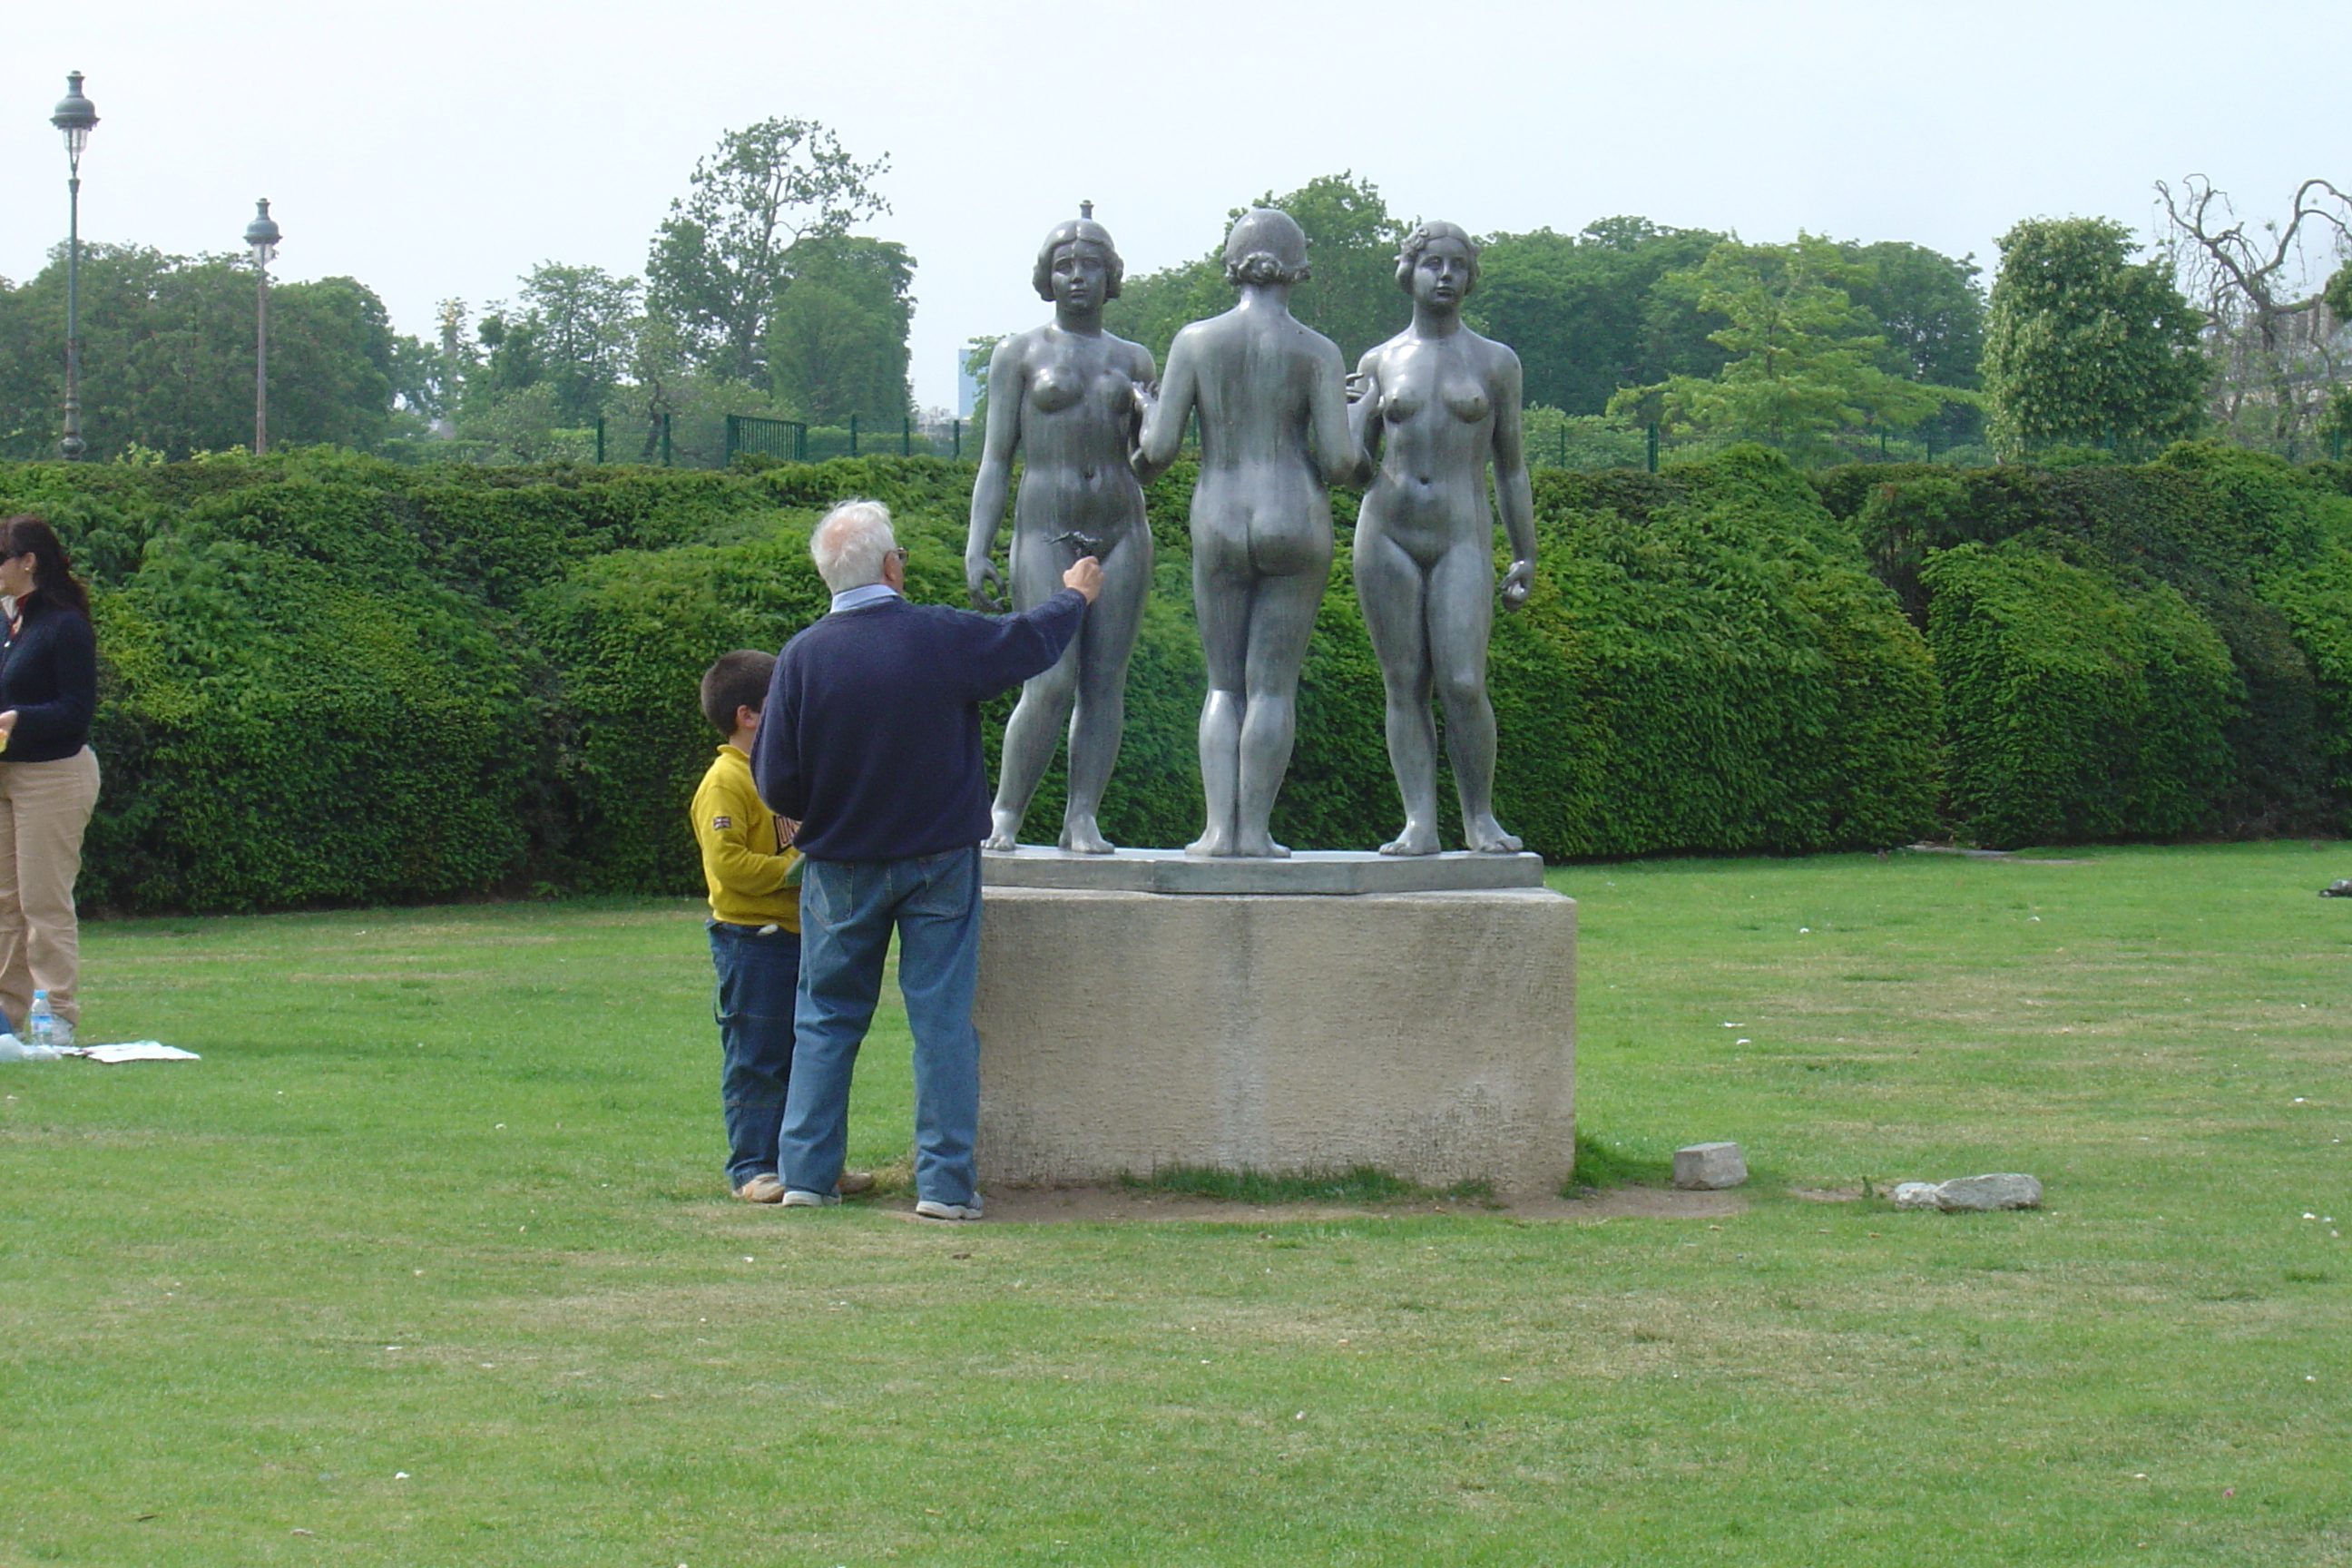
(1429, 1033)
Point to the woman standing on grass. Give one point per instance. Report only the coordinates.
(49, 779)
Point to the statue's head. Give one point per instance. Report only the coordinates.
(1265, 246)
(1421, 238)
(1078, 231)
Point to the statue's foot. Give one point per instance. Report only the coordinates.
(1005, 831)
(1418, 839)
(1487, 837)
(1260, 844)
(1215, 841)
(1081, 837)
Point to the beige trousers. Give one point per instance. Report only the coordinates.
(44, 807)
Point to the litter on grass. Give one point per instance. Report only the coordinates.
(134, 1051)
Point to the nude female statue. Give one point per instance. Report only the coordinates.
(1271, 397)
(1066, 395)
(1436, 403)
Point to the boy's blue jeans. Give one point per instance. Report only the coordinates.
(848, 910)
(752, 1000)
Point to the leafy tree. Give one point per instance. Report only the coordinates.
(722, 257)
(838, 341)
(2337, 295)
(1931, 311)
(168, 355)
(1927, 306)
(583, 323)
(1582, 312)
(1804, 361)
(513, 360)
(2083, 344)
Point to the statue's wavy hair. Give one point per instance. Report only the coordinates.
(1266, 245)
(1426, 234)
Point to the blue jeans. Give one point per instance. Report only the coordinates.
(848, 910)
(752, 1002)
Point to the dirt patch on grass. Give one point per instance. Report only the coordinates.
(1101, 1204)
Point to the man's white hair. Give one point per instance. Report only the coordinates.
(849, 546)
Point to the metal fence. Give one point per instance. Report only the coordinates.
(715, 441)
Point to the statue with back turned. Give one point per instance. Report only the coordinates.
(1271, 395)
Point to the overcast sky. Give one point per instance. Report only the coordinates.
(434, 148)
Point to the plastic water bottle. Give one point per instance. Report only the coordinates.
(40, 1024)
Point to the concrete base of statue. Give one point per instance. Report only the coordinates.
(1432, 1035)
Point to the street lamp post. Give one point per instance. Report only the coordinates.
(262, 235)
(75, 115)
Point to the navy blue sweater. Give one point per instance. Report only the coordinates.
(49, 674)
(870, 737)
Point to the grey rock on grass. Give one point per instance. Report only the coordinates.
(1707, 1167)
(2003, 1190)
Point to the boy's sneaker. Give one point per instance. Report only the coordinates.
(764, 1188)
(852, 1182)
(795, 1198)
(931, 1208)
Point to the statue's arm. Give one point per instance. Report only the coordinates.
(1364, 426)
(1514, 497)
(1338, 454)
(1145, 377)
(994, 481)
(1163, 418)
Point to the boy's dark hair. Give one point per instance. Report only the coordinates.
(740, 679)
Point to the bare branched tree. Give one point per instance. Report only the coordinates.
(2277, 348)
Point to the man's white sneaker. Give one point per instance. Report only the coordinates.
(795, 1198)
(931, 1208)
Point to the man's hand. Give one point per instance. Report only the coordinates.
(1086, 575)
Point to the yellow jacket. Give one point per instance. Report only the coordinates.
(741, 861)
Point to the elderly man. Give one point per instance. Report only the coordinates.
(870, 738)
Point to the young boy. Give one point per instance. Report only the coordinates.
(749, 864)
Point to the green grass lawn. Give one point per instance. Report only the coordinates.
(430, 1261)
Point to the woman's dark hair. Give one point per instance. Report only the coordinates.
(53, 579)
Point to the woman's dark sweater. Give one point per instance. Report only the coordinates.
(49, 674)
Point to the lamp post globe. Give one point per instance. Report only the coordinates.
(262, 234)
(74, 115)
(262, 237)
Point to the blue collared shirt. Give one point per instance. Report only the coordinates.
(859, 598)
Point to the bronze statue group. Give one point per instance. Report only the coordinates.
(850, 804)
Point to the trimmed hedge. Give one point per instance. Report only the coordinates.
(2256, 551)
(330, 679)
(2077, 710)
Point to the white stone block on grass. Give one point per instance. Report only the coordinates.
(2005, 1190)
(1706, 1167)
